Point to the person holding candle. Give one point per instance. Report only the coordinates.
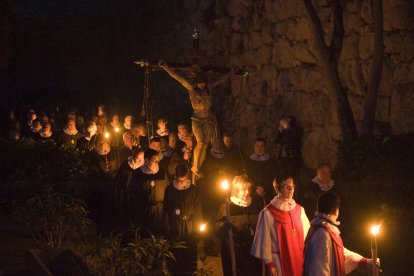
(183, 215)
(244, 212)
(324, 252)
(281, 231)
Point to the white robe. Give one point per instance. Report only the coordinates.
(265, 239)
(319, 255)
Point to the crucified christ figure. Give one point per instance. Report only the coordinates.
(203, 121)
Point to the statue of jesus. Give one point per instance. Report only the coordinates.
(203, 121)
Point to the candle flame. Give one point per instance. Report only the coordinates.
(225, 185)
(375, 229)
(203, 227)
(117, 129)
(106, 135)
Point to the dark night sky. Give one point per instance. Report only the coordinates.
(79, 53)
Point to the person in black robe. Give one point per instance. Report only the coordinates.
(182, 156)
(34, 130)
(46, 134)
(148, 190)
(244, 212)
(88, 142)
(166, 153)
(235, 163)
(322, 182)
(289, 139)
(140, 134)
(116, 130)
(128, 148)
(69, 136)
(261, 168)
(183, 217)
(123, 193)
(105, 161)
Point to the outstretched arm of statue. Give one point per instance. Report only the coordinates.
(184, 81)
(222, 79)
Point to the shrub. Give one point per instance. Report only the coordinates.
(54, 218)
(126, 254)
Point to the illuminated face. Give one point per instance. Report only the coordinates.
(47, 128)
(287, 189)
(155, 146)
(103, 146)
(172, 140)
(182, 130)
(153, 162)
(129, 140)
(284, 123)
(324, 174)
(128, 121)
(71, 125)
(243, 193)
(228, 141)
(162, 125)
(182, 181)
(259, 148)
(142, 131)
(139, 159)
(115, 119)
(189, 143)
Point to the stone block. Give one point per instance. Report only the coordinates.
(392, 43)
(402, 111)
(236, 8)
(302, 30)
(306, 79)
(302, 54)
(283, 55)
(236, 43)
(318, 147)
(407, 48)
(352, 23)
(365, 45)
(278, 10)
(350, 47)
(351, 75)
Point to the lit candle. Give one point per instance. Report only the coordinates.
(203, 227)
(225, 185)
(374, 231)
(117, 129)
(106, 135)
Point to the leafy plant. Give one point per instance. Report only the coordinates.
(54, 218)
(126, 254)
(205, 269)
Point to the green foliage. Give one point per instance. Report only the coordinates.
(28, 168)
(205, 269)
(136, 256)
(54, 218)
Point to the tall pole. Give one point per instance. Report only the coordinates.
(231, 241)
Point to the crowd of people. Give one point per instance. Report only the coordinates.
(147, 181)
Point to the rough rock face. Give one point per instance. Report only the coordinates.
(272, 40)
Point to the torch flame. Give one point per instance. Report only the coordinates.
(225, 185)
(203, 227)
(106, 135)
(375, 229)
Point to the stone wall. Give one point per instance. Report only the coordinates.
(272, 40)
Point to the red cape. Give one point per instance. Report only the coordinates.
(290, 237)
(337, 246)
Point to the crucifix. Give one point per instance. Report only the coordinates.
(200, 83)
